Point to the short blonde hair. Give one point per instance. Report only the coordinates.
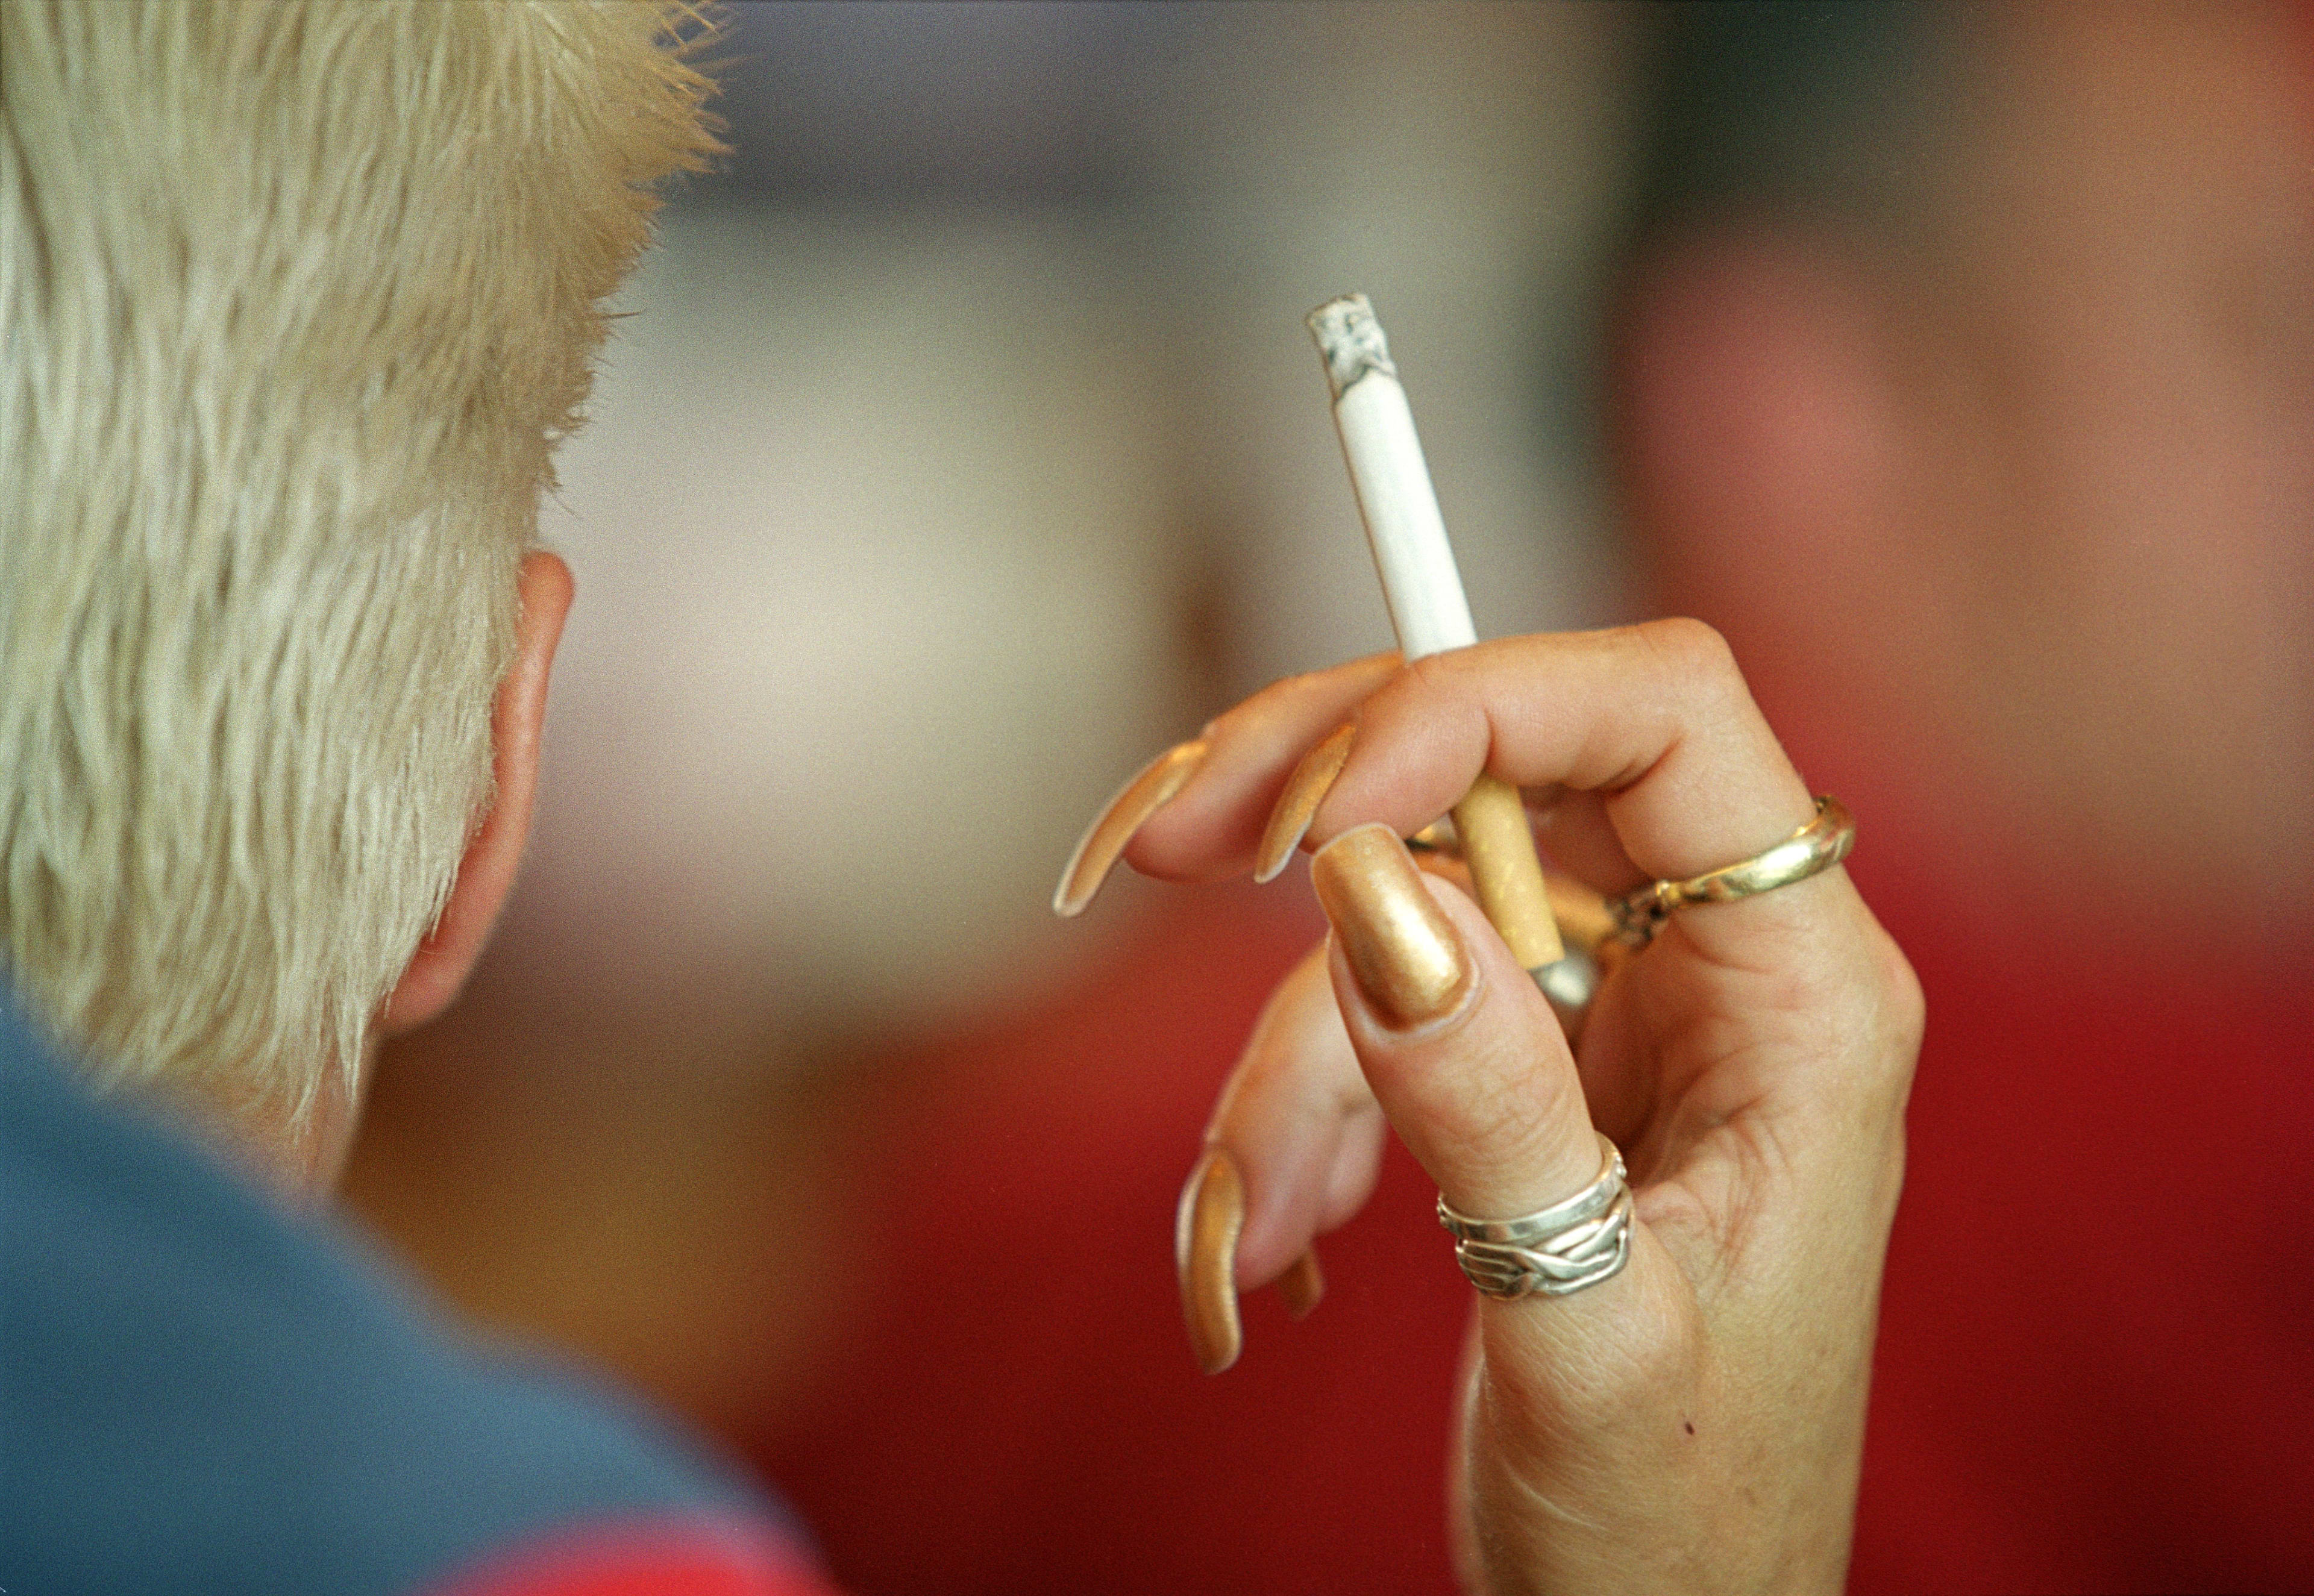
(297, 300)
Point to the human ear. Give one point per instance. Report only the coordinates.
(486, 875)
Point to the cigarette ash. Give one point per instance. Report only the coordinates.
(1351, 340)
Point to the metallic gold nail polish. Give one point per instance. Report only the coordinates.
(1405, 953)
(1204, 1253)
(1303, 1284)
(1297, 805)
(1112, 829)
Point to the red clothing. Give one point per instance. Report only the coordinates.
(1020, 1412)
(2096, 1370)
(2097, 1358)
(647, 1558)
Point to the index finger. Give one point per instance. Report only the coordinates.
(1657, 716)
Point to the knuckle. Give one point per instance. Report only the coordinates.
(1904, 1000)
(1692, 650)
(1659, 1355)
(1896, 1004)
(1876, 1026)
(1904, 1010)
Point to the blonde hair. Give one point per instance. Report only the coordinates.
(298, 302)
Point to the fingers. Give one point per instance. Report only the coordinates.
(1206, 1227)
(1463, 1055)
(1294, 1150)
(1655, 720)
(1251, 749)
(1215, 791)
(1148, 791)
(1655, 717)
(1297, 805)
(1663, 765)
(1459, 1047)
(1299, 1118)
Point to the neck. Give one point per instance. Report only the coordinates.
(296, 1161)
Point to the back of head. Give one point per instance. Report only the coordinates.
(1802, 112)
(297, 300)
(1809, 133)
(1961, 378)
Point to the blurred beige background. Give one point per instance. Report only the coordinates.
(911, 518)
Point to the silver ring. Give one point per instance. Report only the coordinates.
(1556, 1250)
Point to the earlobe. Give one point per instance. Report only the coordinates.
(438, 970)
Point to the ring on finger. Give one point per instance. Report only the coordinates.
(1554, 1251)
(1812, 850)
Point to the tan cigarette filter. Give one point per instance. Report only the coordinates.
(1499, 848)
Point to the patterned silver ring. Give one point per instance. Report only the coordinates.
(1556, 1250)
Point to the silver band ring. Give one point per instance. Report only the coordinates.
(1814, 849)
(1572, 1244)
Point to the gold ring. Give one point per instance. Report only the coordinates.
(1814, 849)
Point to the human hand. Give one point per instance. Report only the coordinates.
(1696, 1421)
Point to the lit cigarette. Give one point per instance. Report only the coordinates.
(1427, 609)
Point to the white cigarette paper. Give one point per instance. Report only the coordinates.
(1427, 609)
(1408, 535)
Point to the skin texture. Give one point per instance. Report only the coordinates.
(1696, 1422)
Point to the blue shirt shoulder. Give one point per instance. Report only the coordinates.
(198, 1392)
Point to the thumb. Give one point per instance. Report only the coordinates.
(1461, 1049)
(1576, 1397)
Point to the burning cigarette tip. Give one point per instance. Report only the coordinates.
(1351, 340)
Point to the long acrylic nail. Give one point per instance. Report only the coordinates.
(1303, 1284)
(1405, 953)
(1297, 805)
(1204, 1253)
(1112, 829)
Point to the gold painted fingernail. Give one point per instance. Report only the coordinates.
(1297, 805)
(1302, 1286)
(1105, 838)
(1407, 956)
(1204, 1253)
